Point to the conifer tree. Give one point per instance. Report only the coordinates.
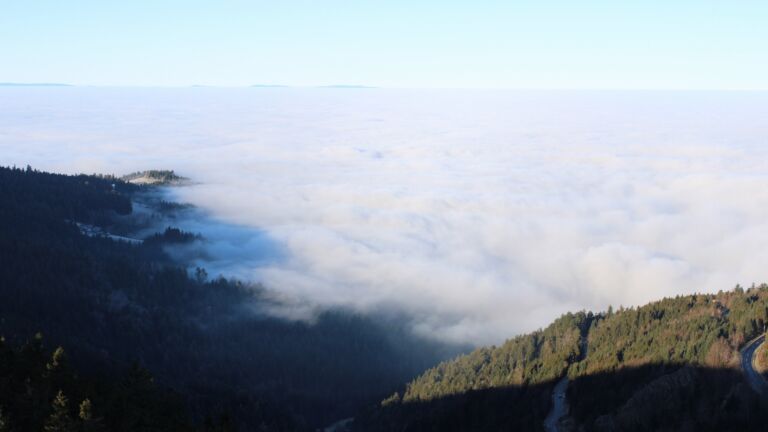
(59, 420)
(58, 360)
(86, 410)
(89, 422)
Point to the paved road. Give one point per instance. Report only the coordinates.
(756, 380)
(559, 403)
(559, 406)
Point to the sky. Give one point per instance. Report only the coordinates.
(541, 44)
(477, 214)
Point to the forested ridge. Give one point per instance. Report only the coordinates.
(115, 305)
(669, 365)
(150, 344)
(40, 390)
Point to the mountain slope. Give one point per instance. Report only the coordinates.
(684, 348)
(112, 303)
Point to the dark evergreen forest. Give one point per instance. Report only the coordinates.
(671, 365)
(127, 315)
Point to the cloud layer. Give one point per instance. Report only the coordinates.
(480, 214)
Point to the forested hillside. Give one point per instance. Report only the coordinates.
(669, 365)
(159, 342)
(41, 390)
(113, 304)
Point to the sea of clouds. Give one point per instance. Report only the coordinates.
(480, 214)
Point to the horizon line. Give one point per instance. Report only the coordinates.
(374, 87)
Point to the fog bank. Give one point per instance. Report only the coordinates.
(480, 213)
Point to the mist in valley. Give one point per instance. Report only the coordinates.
(471, 215)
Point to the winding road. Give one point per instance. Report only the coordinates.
(559, 406)
(755, 379)
(559, 403)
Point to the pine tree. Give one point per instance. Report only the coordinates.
(59, 420)
(58, 360)
(86, 410)
(57, 370)
(90, 423)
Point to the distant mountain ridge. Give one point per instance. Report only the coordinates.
(336, 86)
(348, 86)
(155, 177)
(13, 84)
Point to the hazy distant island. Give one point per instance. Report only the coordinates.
(348, 86)
(335, 86)
(12, 84)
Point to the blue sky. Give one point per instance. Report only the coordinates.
(545, 44)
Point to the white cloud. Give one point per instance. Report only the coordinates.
(481, 214)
